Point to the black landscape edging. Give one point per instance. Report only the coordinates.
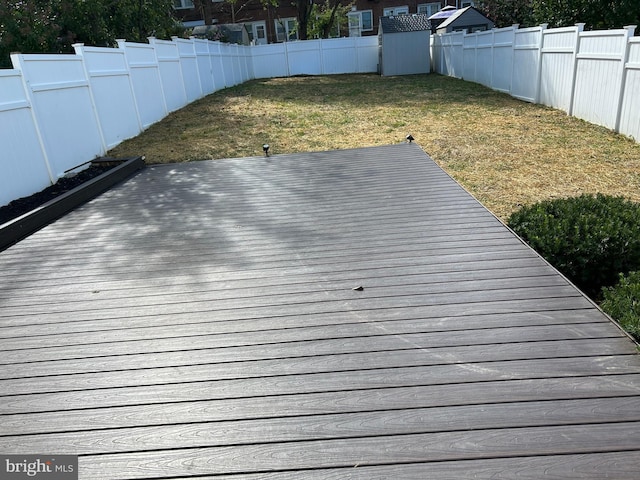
(23, 226)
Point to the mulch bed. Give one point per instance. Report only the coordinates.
(26, 204)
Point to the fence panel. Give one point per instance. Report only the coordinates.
(234, 54)
(247, 63)
(484, 57)
(469, 56)
(205, 68)
(59, 92)
(502, 60)
(599, 75)
(629, 123)
(189, 68)
(559, 49)
(168, 59)
(367, 51)
(112, 92)
(453, 54)
(23, 162)
(226, 58)
(305, 58)
(527, 44)
(145, 78)
(270, 61)
(219, 76)
(340, 55)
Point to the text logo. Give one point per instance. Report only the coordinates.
(49, 467)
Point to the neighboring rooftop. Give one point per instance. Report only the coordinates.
(446, 12)
(467, 17)
(405, 23)
(345, 314)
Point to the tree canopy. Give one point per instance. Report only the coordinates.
(505, 13)
(52, 26)
(327, 18)
(596, 14)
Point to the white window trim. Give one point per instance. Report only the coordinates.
(252, 27)
(184, 5)
(370, 12)
(393, 11)
(284, 22)
(358, 14)
(429, 8)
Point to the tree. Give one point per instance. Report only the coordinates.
(317, 20)
(52, 26)
(205, 9)
(505, 13)
(325, 17)
(596, 14)
(305, 7)
(28, 26)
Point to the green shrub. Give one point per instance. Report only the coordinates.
(622, 302)
(590, 239)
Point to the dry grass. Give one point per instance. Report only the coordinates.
(506, 152)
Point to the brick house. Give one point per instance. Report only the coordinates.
(278, 24)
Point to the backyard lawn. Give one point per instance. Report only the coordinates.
(508, 153)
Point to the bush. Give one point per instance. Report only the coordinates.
(590, 239)
(622, 302)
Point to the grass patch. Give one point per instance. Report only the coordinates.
(508, 153)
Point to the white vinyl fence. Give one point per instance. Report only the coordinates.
(61, 111)
(58, 112)
(316, 57)
(592, 75)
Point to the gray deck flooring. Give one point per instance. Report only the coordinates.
(201, 320)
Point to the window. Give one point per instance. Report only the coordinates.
(429, 8)
(178, 4)
(466, 4)
(360, 21)
(395, 11)
(366, 20)
(286, 29)
(257, 32)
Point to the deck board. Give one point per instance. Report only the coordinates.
(200, 320)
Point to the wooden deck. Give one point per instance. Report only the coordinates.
(200, 320)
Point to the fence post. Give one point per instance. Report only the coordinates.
(441, 50)
(543, 27)
(322, 56)
(623, 77)
(574, 71)
(515, 28)
(493, 58)
(286, 57)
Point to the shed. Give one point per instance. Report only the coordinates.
(404, 44)
(227, 32)
(466, 19)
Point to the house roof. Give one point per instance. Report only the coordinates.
(457, 14)
(405, 23)
(443, 14)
